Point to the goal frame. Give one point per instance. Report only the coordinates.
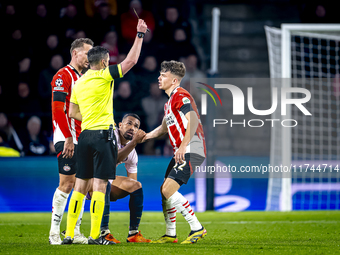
(286, 55)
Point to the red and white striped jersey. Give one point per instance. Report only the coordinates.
(179, 103)
(63, 126)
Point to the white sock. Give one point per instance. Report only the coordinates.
(58, 208)
(169, 213)
(182, 205)
(133, 232)
(77, 227)
(104, 232)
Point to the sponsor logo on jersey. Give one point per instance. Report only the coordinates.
(59, 82)
(58, 88)
(67, 168)
(170, 120)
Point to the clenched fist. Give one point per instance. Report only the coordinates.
(138, 137)
(141, 26)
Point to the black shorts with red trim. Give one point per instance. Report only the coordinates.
(182, 172)
(67, 166)
(96, 155)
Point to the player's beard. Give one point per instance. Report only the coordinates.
(127, 136)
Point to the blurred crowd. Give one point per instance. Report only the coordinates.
(37, 36)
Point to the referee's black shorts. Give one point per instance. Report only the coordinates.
(96, 156)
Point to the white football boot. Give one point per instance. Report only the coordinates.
(80, 239)
(55, 239)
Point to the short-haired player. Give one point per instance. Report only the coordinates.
(182, 122)
(128, 136)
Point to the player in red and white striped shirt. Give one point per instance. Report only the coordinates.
(65, 133)
(182, 122)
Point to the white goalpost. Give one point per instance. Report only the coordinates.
(307, 56)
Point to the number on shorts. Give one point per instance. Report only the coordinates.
(180, 167)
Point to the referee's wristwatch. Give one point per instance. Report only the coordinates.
(140, 34)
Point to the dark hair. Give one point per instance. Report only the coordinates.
(79, 43)
(174, 67)
(132, 115)
(96, 54)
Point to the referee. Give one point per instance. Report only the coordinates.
(92, 103)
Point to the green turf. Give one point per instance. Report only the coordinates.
(306, 232)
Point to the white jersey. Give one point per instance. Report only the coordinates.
(131, 161)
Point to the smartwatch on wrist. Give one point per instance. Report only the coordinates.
(140, 34)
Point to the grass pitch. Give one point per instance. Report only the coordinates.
(305, 232)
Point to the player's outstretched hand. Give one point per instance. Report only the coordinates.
(141, 27)
(139, 136)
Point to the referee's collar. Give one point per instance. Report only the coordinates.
(75, 70)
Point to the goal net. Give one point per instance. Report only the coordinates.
(306, 56)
